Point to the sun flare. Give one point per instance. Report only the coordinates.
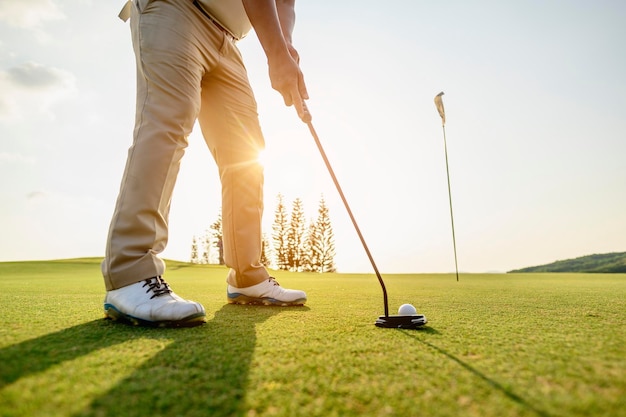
(262, 158)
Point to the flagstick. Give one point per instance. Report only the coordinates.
(445, 147)
(442, 113)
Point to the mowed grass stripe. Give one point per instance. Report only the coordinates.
(495, 345)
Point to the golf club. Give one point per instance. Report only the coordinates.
(442, 113)
(396, 321)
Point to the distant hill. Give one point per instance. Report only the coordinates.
(601, 263)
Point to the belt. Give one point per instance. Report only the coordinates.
(212, 19)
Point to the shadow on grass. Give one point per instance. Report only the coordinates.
(37, 355)
(510, 394)
(202, 370)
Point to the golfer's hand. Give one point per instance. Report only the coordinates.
(287, 78)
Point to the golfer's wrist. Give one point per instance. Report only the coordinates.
(279, 57)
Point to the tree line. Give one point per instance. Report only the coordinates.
(295, 245)
(614, 262)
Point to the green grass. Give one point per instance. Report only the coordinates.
(496, 345)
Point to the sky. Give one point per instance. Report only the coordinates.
(535, 99)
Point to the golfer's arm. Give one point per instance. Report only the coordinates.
(287, 16)
(273, 33)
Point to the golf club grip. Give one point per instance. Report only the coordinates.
(345, 203)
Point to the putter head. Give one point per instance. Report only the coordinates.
(402, 322)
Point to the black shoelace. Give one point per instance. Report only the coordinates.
(158, 286)
(272, 279)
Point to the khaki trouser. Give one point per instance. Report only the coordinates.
(187, 69)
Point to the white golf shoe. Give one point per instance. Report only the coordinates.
(268, 292)
(152, 303)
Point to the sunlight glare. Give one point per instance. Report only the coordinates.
(262, 158)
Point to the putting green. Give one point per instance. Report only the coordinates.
(495, 345)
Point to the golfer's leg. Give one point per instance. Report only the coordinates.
(230, 125)
(168, 100)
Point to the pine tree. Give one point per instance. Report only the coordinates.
(206, 253)
(310, 262)
(194, 251)
(265, 252)
(295, 236)
(325, 241)
(279, 234)
(218, 238)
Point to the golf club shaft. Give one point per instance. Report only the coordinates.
(345, 203)
(445, 147)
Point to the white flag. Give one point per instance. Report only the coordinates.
(439, 105)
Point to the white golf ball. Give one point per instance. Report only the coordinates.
(407, 310)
